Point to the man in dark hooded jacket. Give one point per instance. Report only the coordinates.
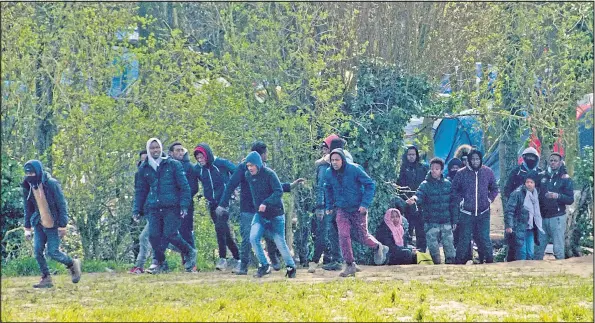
(247, 210)
(270, 218)
(516, 179)
(164, 187)
(517, 176)
(411, 174)
(474, 188)
(555, 193)
(46, 214)
(214, 174)
(453, 166)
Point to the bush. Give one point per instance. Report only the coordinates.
(12, 207)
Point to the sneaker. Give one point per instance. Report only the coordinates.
(276, 265)
(243, 270)
(333, 266)
(312, 267)
(237, 267)
(221, 264)
(158, 269)
(153, 268)
(190, 259)
(136, 270)
(45, 282)
(349, 271)
(380, 254)
(290, 272)
(193, 270)
(75, 270)
(262, 270)
(164, 268)
(357, 268)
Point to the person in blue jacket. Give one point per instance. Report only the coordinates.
(349, 193)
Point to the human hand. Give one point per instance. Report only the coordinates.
(262, 208)
(28, 233)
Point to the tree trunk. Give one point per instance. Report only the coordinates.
(574, 212)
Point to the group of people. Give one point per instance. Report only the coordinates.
(451, 210)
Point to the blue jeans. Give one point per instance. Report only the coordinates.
(276, 228)
(50, 237)
(526, 252)
(246, 248)
(555, 229)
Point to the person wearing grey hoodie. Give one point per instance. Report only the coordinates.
(164, 187)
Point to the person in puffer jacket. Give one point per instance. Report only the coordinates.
(164, 187)
(214, 174)
(556, 192)
(438, 211)
(46, 215)
(522, 220)
(474, 188)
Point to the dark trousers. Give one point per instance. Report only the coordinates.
(477, 227)
(187, 227)
(224, 236)
(164, 224)
(416, 223)
(50, 237)
(467, 251)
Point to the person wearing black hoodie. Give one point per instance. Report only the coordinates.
(164, 187)
(214, 174)
(411, 174)
(516, 178)
(270, 216)
(46, 214)
(453, 166)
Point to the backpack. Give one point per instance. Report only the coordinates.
(424, 258)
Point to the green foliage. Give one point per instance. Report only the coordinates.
(12, 207)
(383, 104)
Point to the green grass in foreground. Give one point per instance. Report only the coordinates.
(223, 297)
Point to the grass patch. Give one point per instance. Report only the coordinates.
(223, 297)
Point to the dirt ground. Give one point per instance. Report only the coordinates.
(580, 266)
